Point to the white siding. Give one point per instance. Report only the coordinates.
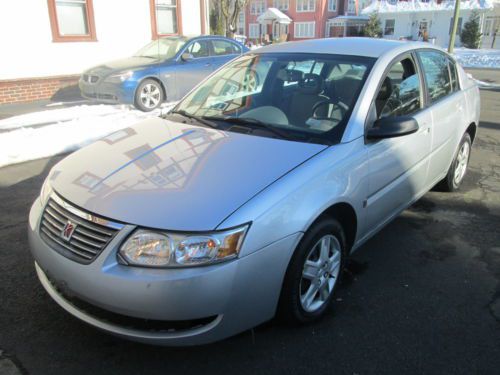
(122, 27)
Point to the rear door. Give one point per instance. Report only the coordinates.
(224, 51)
(191, 72)
(446, 103)
(397, 166)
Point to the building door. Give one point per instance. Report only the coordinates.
(423, 30)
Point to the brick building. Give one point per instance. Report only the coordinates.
(301, 19)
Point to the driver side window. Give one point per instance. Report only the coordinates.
(400, 93)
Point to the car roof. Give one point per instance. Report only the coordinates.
(191, 37)
(354, 46)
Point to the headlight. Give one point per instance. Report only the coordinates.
(120, 77)
(161, 249)
(45, 191)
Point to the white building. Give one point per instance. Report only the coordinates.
(409, 19)
(47, 43)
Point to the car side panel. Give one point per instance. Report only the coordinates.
(295, 201)
(448, 116)
(168, 77)
(397, 172)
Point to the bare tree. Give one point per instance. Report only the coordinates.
(231, 10)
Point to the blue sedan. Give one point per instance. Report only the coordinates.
(165, 69)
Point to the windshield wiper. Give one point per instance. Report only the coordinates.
(250, 121)
(199, 119)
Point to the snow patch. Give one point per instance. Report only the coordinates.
(384, 6)
(47, 133)
(478, 58)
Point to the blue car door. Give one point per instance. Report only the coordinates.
(224, 51)
(196, 65)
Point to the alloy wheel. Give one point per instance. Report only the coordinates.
(461, 165)
(320, 273)
(150, 95)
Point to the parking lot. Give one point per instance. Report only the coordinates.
(422, 296)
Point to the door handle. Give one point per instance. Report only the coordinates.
(208, 64)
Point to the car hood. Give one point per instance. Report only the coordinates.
(169, 175)
(133, 62)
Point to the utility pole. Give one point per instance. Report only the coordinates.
(455, 25)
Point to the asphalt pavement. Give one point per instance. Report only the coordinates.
(421, 297)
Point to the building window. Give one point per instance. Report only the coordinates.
(281, 4)
(389, 27)
(306, 5)
(459, 26)
(351, 6)
(165, 17)
(332, 5)
(72, 20)
(257, 7)
(253, 30)
(304, 29)
(241, 23)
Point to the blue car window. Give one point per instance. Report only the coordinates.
(199, 49)
(223, 47)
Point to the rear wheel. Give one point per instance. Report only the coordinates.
(313, 273)
(149, 95)
(458, 167)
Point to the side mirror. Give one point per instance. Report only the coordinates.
(390, 127)
(186, 56)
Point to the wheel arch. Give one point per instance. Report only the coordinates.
(472, 129)
(345, 214)
(153, 78)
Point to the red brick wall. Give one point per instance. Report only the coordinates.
(31, 89)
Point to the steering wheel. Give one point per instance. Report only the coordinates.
(337, 105)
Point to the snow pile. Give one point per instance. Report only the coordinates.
(384, 6)
(478, 58)
(47, 133)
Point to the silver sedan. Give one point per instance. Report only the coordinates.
(245, 201)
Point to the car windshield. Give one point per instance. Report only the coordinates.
(164, 48)
(299, 96)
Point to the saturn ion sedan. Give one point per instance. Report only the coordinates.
(245, 201)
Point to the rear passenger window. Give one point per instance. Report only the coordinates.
(437, 75)
(222, 47)
(400, 92)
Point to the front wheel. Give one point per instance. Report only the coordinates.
(458, 167)
(313, 273)
(149, 95)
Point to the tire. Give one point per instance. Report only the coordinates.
(149, 95)
(458, 167)
(293, 307)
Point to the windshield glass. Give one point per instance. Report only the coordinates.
(306, 96)
(164, 48)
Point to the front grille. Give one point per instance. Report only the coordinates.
(88, 237)
(89, 78)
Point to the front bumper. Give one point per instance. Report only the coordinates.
(229, 297)
(108, 92)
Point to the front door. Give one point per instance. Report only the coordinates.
(192, 71)
(398, 166)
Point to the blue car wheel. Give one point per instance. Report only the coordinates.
(149, 95)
